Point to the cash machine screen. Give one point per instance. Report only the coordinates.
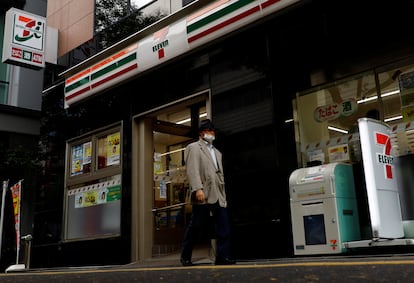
(314, 229)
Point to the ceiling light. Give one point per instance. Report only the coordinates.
(367, 99)
(169, 152)
(385, 94)
(390, 93)
(202, 115)
(393, 118)
(337, 130)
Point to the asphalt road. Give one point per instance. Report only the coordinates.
(389, 268)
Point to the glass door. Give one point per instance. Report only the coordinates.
(173, 130)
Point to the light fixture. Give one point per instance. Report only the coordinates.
(337, 130)
(169, 152)
(397, 91)
(289, 121)
(393, 118)
(202, 115)
(375, 97)
(367, 99)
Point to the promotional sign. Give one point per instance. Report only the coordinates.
(24, 39)
(16, 195)
(381, 184)
(335, 110)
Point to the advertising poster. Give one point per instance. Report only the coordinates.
(338, 153)
(113, 149)
(96, 195)
(77, 160)
(90, 198)
(163, 190)
(114, 193)
(16, 195)
(87, 153)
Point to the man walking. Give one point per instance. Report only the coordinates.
(205, 175)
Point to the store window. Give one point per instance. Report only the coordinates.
(326, 117)
(94, 185)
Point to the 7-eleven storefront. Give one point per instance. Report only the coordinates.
(137, 105)
(134, 164)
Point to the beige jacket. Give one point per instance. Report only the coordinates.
(202, 173)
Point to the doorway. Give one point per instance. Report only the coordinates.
(161, 184)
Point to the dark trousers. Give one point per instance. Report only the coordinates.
(201, 219)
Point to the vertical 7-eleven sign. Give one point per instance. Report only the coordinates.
(381, 186)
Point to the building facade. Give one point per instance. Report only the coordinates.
(20, 107)
(270, 74)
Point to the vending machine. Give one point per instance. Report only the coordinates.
(323, 209)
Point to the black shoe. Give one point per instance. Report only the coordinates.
(225, 261)
(186, 262)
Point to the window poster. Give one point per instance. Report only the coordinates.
(96, 194)
(77, 160)
(87, 152)
(339, 153)
(316, 155)
(113, 149)
(163, 190)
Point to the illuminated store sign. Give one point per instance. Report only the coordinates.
(382, 189)
(203, 26)
(24, 39)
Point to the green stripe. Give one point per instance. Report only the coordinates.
(77, 84)
(114, 66)
(223, 12)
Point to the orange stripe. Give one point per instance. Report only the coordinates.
(207, 9)
(102, 63)
(77, 76)
(114, 57)
(24, 19)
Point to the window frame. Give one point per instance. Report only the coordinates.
(94, 173)
(94, 177)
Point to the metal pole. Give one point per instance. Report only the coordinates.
(3, 198)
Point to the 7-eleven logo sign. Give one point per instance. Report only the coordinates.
(162, 42)
(29, 31)
(385, 157)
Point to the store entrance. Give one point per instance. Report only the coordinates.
(173, 129)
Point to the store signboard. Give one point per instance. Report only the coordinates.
(173, 40)
(24, 39)
(335, 110)
(381, 184)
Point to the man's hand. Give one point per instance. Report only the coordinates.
(200, 195)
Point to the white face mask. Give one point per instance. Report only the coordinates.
(209, 138)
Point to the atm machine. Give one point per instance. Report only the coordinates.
(324, 205)
(323, 209)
